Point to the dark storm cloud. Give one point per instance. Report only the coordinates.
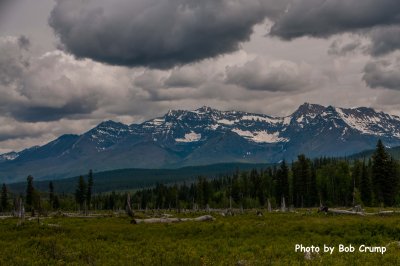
(385, 40)
(20, 132)
(157, 33)
(3, 4)
(323, 18)
(338, 48)
(185, 77)
(48, 113)
(48, 88)
(260, 76)
(383, 74)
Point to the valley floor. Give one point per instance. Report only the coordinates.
(245, 239)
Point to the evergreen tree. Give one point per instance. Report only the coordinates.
(303, 183)
(235, 190)
(391, 183)
(89, 188)
(81, 191)
(51, 194)
(4, 198)
(381, 170)
(356, 174)
(30, 192)
(313, 195)
(112, 201)
(365, 186)
(282, 187)
(56, 203)
(206, 191)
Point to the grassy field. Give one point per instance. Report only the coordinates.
(239, 240)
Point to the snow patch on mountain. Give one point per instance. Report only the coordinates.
(287, 120)
(269, 120)
(260, 136)
(157, 122)
(190, 137)
(9, 156)
(227, 122)
(364, 124)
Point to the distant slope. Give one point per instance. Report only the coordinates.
(394, 152)
(129, 179)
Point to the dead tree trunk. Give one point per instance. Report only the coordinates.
(129, 210)
(283, 205)
(269, 206)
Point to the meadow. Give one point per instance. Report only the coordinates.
(244, 239)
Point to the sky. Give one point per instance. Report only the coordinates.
(65, 66)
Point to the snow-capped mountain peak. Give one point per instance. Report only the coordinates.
(207, 135)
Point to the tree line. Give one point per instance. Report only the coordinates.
(302, 183)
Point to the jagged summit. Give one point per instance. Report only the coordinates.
(310, 108)
(205, 136)
(205, 109)
(110, 123)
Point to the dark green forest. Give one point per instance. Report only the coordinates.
(136, 178)
(303, 183)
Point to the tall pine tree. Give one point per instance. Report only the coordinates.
(391, 183)
(282, 186)
(365, 186)
(381, 170)
(81, 192)
(356, 174)
(89, 188)
(304, 185)
(4, 198)
(51, 194)
(30, 192)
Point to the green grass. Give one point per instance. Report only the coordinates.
(249, 239)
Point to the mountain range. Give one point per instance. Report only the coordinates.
(206, 136)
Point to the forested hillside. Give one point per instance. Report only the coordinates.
(306, 183)
(133, 179)
(302, 183)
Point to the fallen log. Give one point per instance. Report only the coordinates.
(335, 211)
(345, 212)
(355, 212)
(172, 220)
(383, 213)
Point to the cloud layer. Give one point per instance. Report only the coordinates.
(157, 33)
(383, 74)
(52, 86)
(277, 76)
(42, 95)
(130, 60)
(323, 18)
(166, 33)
